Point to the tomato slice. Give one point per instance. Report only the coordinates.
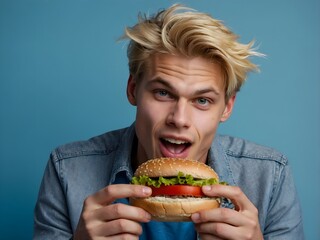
(179, 190)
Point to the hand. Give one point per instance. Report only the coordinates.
(224, 223)
(100, 219)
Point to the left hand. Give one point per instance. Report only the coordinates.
(224, 223)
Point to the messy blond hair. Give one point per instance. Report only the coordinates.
(184, 31)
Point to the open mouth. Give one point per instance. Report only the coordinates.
(175, 146)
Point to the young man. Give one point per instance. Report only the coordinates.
(185, 71)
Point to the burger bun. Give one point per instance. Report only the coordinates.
(174, 208)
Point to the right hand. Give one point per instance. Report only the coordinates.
(100, 219)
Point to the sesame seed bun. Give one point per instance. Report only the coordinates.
(175, 208)
(167, 167)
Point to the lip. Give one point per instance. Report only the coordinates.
(175, 137)
(165, 151)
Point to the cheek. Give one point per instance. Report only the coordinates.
(148, 117)
(148, 122)
(206, 127)
(147, 113)
(208, 121)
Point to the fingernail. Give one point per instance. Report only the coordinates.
(146, 190)
(207, 188)
(148, 216)
(195, 217)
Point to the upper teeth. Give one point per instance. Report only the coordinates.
(171, 140)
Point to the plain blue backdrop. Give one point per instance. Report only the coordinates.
(63, 77)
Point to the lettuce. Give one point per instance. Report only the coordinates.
(181, 179)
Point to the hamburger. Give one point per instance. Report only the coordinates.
(176, 188)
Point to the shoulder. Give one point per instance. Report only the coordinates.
(103, 144)
(244, 149)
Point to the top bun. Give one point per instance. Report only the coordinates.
(168, 167)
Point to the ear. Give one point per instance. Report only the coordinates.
(131, 90)
(228, 109)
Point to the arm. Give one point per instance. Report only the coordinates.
(51, 219)
(284, 219)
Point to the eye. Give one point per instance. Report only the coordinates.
(162, 95)
(202, 101)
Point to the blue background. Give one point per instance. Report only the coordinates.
(63, 78)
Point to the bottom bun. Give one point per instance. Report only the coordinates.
(179, 209)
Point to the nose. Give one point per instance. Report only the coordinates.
(179, 115)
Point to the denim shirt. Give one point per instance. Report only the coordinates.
(77, 170)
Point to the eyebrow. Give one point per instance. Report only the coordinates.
(161, 81)
(169, 85)
(206, 90)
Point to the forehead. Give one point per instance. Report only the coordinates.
(180, 68)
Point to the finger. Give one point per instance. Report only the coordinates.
(104, 221)
(119, 210)
(204, 236)
(208, 237)
(217, 231)
(235, 194)
(110, 193)
(119, 226)
(223, 215)
(126, 236)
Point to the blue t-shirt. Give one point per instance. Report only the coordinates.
(168, 230)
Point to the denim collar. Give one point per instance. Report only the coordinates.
(220, 162)
(122, 156)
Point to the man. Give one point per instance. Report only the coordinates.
(185, 70)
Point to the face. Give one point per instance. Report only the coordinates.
(180, 102)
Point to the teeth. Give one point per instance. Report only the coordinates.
(171, 140)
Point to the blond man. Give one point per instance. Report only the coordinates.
(185, 71)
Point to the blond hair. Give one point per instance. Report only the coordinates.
(184, 31)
